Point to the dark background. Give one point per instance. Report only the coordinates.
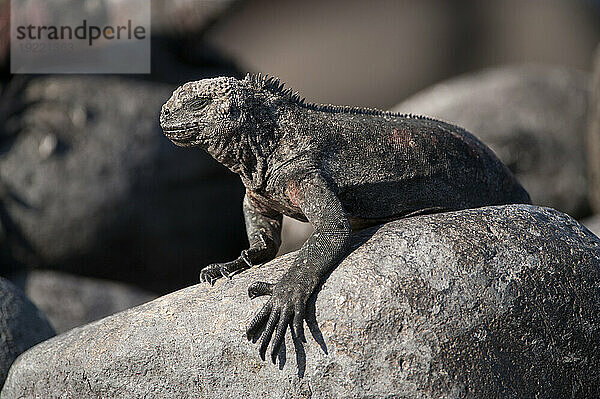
(376, 53)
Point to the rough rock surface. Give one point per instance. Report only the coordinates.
(22, 325)
(496, 302)
(70, 301)
(533, 117)
(92, 186)
(592, 223)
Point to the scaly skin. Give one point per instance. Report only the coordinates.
(339, 168)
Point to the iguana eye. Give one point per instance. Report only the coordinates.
(234, 112)
(199, 103)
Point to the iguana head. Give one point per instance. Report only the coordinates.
(234, 120)
(219, 108)
(199, 111)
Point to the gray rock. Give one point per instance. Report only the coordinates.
(179, 51)
(168, 17)
(95, 188)
(533, 117)
(593, 137)
(22, 325)
(496, 302)
(592, 223)
(71, 301)
(293, 234)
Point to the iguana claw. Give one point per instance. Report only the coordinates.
(212, 273)
(260, 288)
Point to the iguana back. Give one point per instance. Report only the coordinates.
(387, 166)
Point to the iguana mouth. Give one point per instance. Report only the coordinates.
(179, 134)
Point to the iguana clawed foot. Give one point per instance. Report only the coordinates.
(287, 306)
(212, 273)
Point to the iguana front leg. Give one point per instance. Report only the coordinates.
(319, 254)
(263, 227)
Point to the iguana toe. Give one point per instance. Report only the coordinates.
(258, 320)
(211, 273)
(225, 272)
(268, 332)
(260, 288)
(284, 319)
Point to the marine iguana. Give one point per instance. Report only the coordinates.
(339, 168)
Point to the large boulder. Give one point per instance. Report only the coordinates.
(533, 117)
(70, 301)
(92, 186)
(22, 325)
(496, 302)
(592, 223)
(171, 18)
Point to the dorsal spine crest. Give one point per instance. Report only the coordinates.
(275, 86)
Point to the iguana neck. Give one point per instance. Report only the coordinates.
(247, 150)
